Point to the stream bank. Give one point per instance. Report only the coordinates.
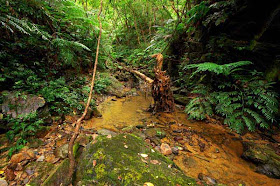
(206, 151)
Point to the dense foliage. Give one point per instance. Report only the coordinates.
(47, 49)
(242, 97)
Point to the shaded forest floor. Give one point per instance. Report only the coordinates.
(207, 151)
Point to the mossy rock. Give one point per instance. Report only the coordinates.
(41, 170)
(116, 88)
(119, 162)
(267, 161)
(58, 176)
(48, 174)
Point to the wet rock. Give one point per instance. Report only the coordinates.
(208, 180)
(128, 129)
(62, 151)
(3, 182)
(155, 132)
(165, 149)
(125, 166)
(106, 132)
(267, 161)
(175, 150)
(21, 105)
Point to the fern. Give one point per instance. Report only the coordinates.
(245, 102)
(225, 69)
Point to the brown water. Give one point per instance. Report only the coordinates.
(210, 149)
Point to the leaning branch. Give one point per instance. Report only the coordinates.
(79, 121)
(139, 74)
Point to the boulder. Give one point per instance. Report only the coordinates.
(116, 88)
(267, 161)
(126, 160)
(21, 105)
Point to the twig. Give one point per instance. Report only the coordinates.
(79, 121)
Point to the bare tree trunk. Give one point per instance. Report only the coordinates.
(79, 121)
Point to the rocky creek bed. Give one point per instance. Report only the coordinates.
(130, 146)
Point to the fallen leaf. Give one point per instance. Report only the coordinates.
(144, 161)
(169, 166)
(94, 163)
(119, 178)
(148, 184)
(124, 136)
(144, 155)
(125, 146)
(109, 136)
(154, 162)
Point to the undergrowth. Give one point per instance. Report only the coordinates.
(242, 97)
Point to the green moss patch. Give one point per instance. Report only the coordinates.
(119, 162)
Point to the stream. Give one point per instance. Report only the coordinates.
(206, 149)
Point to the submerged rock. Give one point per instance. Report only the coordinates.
(118, 161)
(267, 161)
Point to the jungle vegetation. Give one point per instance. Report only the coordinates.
(47, 48)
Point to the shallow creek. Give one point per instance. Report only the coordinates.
(210, 149)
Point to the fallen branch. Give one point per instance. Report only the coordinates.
(79, 121)
(139, 74)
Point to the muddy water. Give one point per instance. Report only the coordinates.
(210, 149)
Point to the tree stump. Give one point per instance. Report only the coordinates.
(161, 91)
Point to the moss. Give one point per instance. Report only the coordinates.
(42, 170)
(118, 165)
(58, 175)
(75, 149)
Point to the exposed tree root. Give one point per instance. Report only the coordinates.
(161, 92)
